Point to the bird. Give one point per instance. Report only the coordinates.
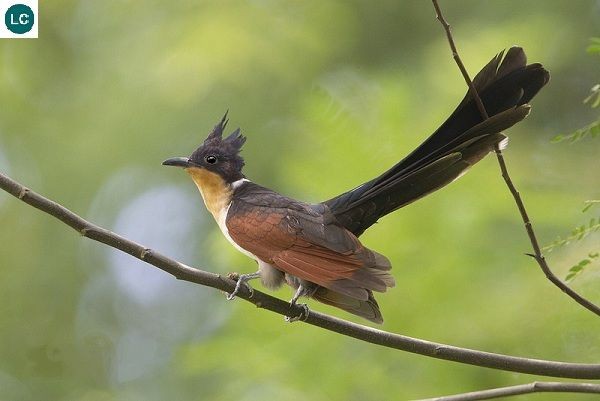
(315, 248)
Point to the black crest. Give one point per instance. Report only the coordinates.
(233, 142)
(221, 155)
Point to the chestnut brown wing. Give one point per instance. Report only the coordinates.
(294, 237)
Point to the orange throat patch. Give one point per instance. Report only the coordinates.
(214, 190)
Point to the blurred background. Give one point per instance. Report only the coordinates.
(330, 94)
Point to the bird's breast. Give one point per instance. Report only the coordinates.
(217, 196)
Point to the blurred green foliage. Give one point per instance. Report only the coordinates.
(329, 93)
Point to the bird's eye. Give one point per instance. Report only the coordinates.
(211, 159)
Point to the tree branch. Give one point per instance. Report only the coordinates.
(537, 253)
(262, 300)
(535, 387)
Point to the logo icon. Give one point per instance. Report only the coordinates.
(20, 19)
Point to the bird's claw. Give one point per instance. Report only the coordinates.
(241, 281)
(301, 317)
(231, 295)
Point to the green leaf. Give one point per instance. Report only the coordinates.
(577, 234)
(589, 204)
(594, 46)
(594, 97)
(578, 268)
(592, 130)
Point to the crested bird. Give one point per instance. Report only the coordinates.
(314, 248)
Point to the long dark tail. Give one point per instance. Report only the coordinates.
(505, 85)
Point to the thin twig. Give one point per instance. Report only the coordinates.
(262, 300)
(535, 387)
(537, 253)
(456, 57)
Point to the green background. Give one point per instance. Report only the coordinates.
(330, 94)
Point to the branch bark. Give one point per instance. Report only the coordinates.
(534, 387)
(262, 300)
(537, 253)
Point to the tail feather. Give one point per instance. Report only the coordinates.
(368, 309)
(373, 276)
(505, 85)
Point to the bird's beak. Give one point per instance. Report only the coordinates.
(178, 162)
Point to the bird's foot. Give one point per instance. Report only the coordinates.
(242, 280)
(301, 317)
(301, 291)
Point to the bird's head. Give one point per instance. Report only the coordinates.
(216, 155)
